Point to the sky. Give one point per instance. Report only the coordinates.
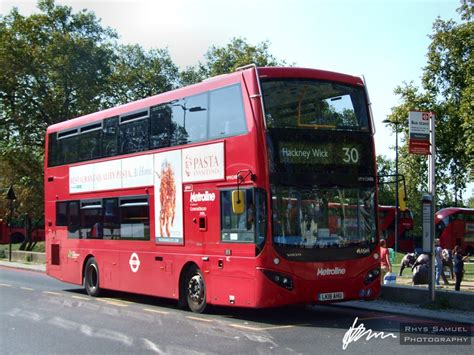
(384, 40)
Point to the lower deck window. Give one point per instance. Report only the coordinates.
(249, 226)
(238, 227)
(134, 218)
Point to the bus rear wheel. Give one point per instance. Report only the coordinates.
(91, 278)
(196, 291)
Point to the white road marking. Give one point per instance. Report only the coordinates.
(155, 311)
(152, 346)
(201, 319)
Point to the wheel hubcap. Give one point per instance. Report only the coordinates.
(196, 289)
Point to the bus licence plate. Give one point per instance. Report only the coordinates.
(331, 296)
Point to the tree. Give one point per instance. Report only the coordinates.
(138, 74)
(225, 59)
(54, 67)
(447, 90)
(386, 169)
(57, 65)
(448, 77)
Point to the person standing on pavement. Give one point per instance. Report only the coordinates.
(458, 261)
(385, 264)
(439, 267)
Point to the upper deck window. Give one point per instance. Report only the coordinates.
(203, 117)
(312, 104)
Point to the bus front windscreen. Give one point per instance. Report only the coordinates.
(322, 218)
(314, 104)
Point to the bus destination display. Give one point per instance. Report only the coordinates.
(338, 153)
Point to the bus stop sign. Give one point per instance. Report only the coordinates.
(419, 127)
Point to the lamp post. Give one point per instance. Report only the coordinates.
(395, 124)
(185, 109)
(11, 197)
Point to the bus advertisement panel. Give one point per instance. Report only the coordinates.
(252, 189)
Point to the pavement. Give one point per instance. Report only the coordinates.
(26, 266)
(380, 305)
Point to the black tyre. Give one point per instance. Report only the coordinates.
(196, 291)
(91, 278)
(17, 238)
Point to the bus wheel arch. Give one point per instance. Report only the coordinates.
(192, 289)
(17, 237)
(90, 276)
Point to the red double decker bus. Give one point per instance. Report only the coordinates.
(455, 226)
(406, 242)
(219, 193)
(18, 232)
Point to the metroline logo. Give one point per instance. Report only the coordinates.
(202, 197)
(328, 271)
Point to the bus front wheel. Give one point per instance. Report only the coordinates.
(196, 291)
(91, 278)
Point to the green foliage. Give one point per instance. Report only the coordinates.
(222, 60)
(470, 202)
(57, 65)
(448, 77)
(23, 167)
(39, 247)
(448, 88)
(385, 168)
(137, 74)
(54, 67)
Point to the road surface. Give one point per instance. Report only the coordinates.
(40, 315)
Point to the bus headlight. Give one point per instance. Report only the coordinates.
(371, 275)
(281, 280)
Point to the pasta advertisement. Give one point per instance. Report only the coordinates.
(168, 198)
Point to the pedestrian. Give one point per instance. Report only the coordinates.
(458, 261)
(385, 264)
(439, 266)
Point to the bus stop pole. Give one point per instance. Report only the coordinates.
(428, 243)
(432, 192)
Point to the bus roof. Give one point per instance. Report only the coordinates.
(294, 72)
(453, 210)
(208, 84)
(385, 207)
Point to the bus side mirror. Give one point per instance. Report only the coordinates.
(238, 201)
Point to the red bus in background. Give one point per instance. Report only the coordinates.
(455, 226)
(219, 193)
(18, 233)
(406, 241)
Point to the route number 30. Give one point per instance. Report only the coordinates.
(351, 155)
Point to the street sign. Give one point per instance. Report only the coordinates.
(419, 147)
(419, 126)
